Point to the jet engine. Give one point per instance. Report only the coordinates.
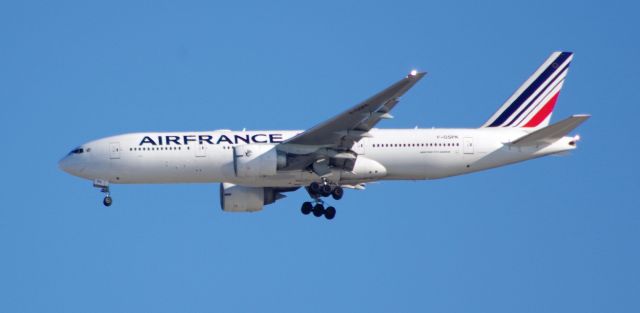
(234, 198)
(257, 160)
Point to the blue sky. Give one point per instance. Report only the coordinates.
(558, 234)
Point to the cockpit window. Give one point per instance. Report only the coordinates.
(76, 151)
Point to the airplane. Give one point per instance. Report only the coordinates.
(347, 151)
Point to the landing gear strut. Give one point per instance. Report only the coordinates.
(317, 191)
(104, 188)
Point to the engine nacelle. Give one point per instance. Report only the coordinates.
(234, 198)
(257, 160)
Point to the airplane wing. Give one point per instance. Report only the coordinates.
(336, 136)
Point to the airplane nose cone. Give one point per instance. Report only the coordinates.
(64, 165)
(70, 165)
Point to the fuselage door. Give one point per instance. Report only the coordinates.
(200, 150)
(467, 145)
(114, 150)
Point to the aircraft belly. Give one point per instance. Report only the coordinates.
(281, 179)
(159, 168)
(401, 165)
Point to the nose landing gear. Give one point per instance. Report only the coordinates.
(104, 188)
(107, 201)
(317, 191)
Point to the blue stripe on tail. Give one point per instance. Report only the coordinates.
(531, 89)
(551, 84)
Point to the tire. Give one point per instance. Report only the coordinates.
(318, 210)
(306, 208)
(330, 213)
(107, 201)
(337, 193)
(325, 190)
(314, 187)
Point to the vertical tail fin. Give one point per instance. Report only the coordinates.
(532, 104)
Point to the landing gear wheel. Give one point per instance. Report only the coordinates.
(315, 187)
(325, 190)
(337, 193)
(306, 208)
(330, 213)
(318, 210)
(107, 201)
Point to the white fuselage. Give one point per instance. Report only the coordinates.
(204, 157)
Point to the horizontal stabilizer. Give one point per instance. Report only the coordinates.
(552, 133)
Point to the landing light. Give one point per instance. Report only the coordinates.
(413, 73)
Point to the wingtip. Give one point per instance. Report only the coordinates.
(585, 116)
(416, 74)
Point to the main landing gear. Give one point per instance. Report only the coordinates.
(318, 210)
(317, 191)
(104, 188)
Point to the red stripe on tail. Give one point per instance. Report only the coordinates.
(543, 113)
